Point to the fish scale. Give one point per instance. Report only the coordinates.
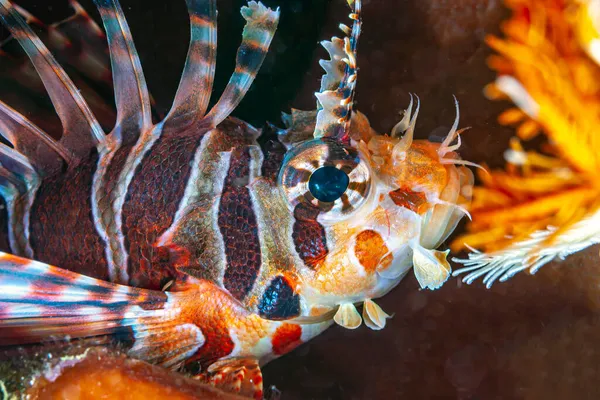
(197, 240)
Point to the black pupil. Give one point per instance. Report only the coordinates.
(328, 184)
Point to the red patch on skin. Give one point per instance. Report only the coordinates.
(286, 338)
(218, 343)
(179, 256)
(414, 201)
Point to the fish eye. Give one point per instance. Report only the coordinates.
(328, 175)
(328, 184)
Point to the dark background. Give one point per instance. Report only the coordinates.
(530, 338)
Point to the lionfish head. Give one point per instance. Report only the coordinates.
(376, 204)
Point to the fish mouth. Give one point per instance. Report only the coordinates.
(315, 319)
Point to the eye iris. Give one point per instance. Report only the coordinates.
(328, 184)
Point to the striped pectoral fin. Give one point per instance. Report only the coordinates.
(39, 302)
(261, 24)
(131, 93)
(195, 87)
(81, 130)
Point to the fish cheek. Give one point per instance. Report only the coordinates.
(371, 251)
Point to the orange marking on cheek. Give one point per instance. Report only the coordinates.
(414, 201)
(286, 338)
(370, 249)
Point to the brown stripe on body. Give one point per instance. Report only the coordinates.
(62, 230)
(194, 240)
(273, 153)
(151, 203)
(309, 235)
(237, 223)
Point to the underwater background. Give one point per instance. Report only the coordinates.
(532, 338)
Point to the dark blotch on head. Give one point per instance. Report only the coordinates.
(279, 300)
(310, 239)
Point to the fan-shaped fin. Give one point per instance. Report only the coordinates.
(39, 301)
(195, 87)
(81, 131)
(131, 93)
(261, 24)
(41, 150)
(336, 97)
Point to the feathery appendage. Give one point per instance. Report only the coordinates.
(532, 253)
(545, 206)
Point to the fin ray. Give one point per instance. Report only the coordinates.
(39, 302)
(42, 151)
(131, 93)
(81, 130)
(195, 86)
(261, 24)
(336, 96)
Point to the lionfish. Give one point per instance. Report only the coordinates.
(189, 241)
(546, 205)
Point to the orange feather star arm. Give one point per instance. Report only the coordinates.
(545, 205)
